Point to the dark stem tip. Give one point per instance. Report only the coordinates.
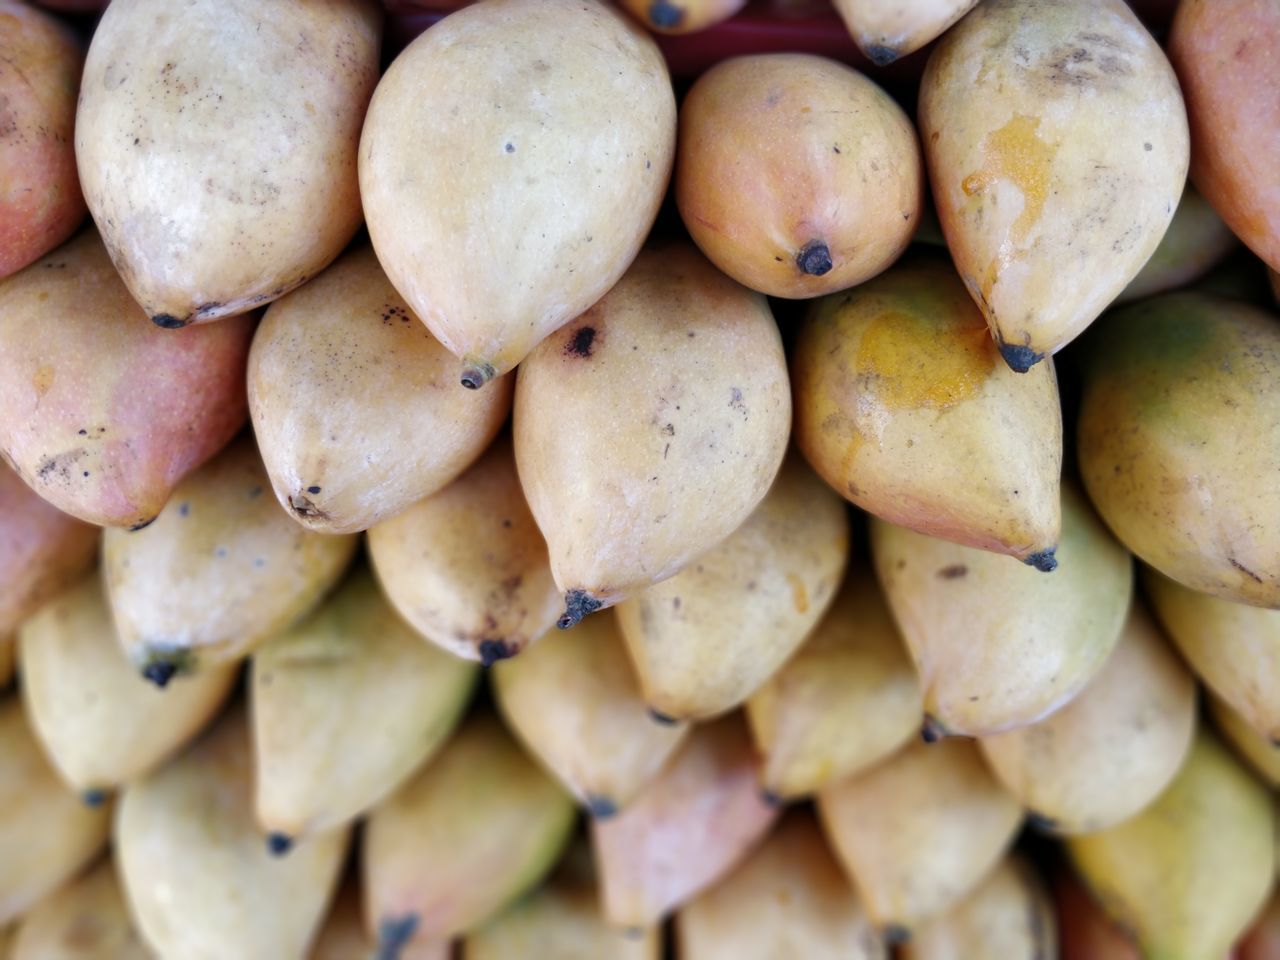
(94, 798)
(657, 716)
(476, 375)
(394, 935)
(895, 935)
(814, 259)
(881, 55)
(1020, 359)
(278, 844)
(1046, 561)
(1040, 822)
(602, 808)
(168, 321)
(491, 651)
(577, 604)
(160, 672)
(665, 15)
(932, 730)
(771, 799)
(142, 524)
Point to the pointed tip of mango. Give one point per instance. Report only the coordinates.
(814, 259)
(491, 651)
(278, 844)
(657, 716)
(1041, 823)
(664, 15)
(1046, 561)
(160, 672)
(932, 730)
(394, 935)
(577, 604)
(600, 807)
(1020, 359)
(168, 321)
(880, 55)
(93, 798)
(476, 374)
(772, 799)
(895, 935)
(141, 525)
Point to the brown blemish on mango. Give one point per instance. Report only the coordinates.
(910, 362)
(799, 595)
(1016, 153)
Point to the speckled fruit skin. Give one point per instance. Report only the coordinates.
(888, 29)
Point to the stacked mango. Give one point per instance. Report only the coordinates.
(338, 573)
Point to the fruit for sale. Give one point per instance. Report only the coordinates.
(796, 175)
(1007, 917)
(46, 834)
(706, 639)
(1057, 147)
(222, 569)
(919, 831)
(346, 705)
(787, 899)
(1179, 440)
(561, 919)
(1263, 940)
(103, 414)
(1225, 55)
(478, 826)
(1233, 647)
(1187, 874)
(496, 204)
(85, 920)
(42, 551)
(897, 383)
(885, 30)
(353, 401)
(198, 880)
(217, 141)
(1262, 755)
(1197, 240)
(847, 699)
(1086, 933)
(689, 827)
(682, 16)
(40, 199)
(467, 566)
(997, 644)
(1114, 748)
(100, 726)
(574, 702)
(650, 428)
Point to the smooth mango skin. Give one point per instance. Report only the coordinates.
(85, 920)
(885, 30)
(221, 570)
(650, 428)
(345, 706)
(42, 551)
(998, 645)
(1225, 53)
(198, 879)
(1057, 147)
(1262, 754)
(691, 826)
(681, 16)
(468, 834)
(1197, 240)
(40, 200)
(903, 406)
(354, 403)
(919, 831)
(218, 158)
(100, 726)
(1188, 874)
(467, 566)
(1234, 648)
(46, 834)
(848, 698)
(706, 639)
(1111, 750)
(574, 702)
(513, 160)
(796, 175)
(1179, 440)
(102, 414)
(787, 899)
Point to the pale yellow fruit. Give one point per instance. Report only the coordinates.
(354, 404)
(903, 406)
(467, 566)
(1057, 146)
(1196, 241)
(649, 429)
(787, 899)
(221, 570)
(698, 819)
(1008, 917)
(885, 30)
(1262, 755)
(1233, 647)
(1188, 874)
(1111, 750)
(199, 882)
(477, 827)
(512, 163)
(100, 725)
(574, 702)
(848, 698)
(997, 644)
(85, 920)
(919, 831)
(46, 834)
(217, 142)
(345, 706)
(706, 639)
